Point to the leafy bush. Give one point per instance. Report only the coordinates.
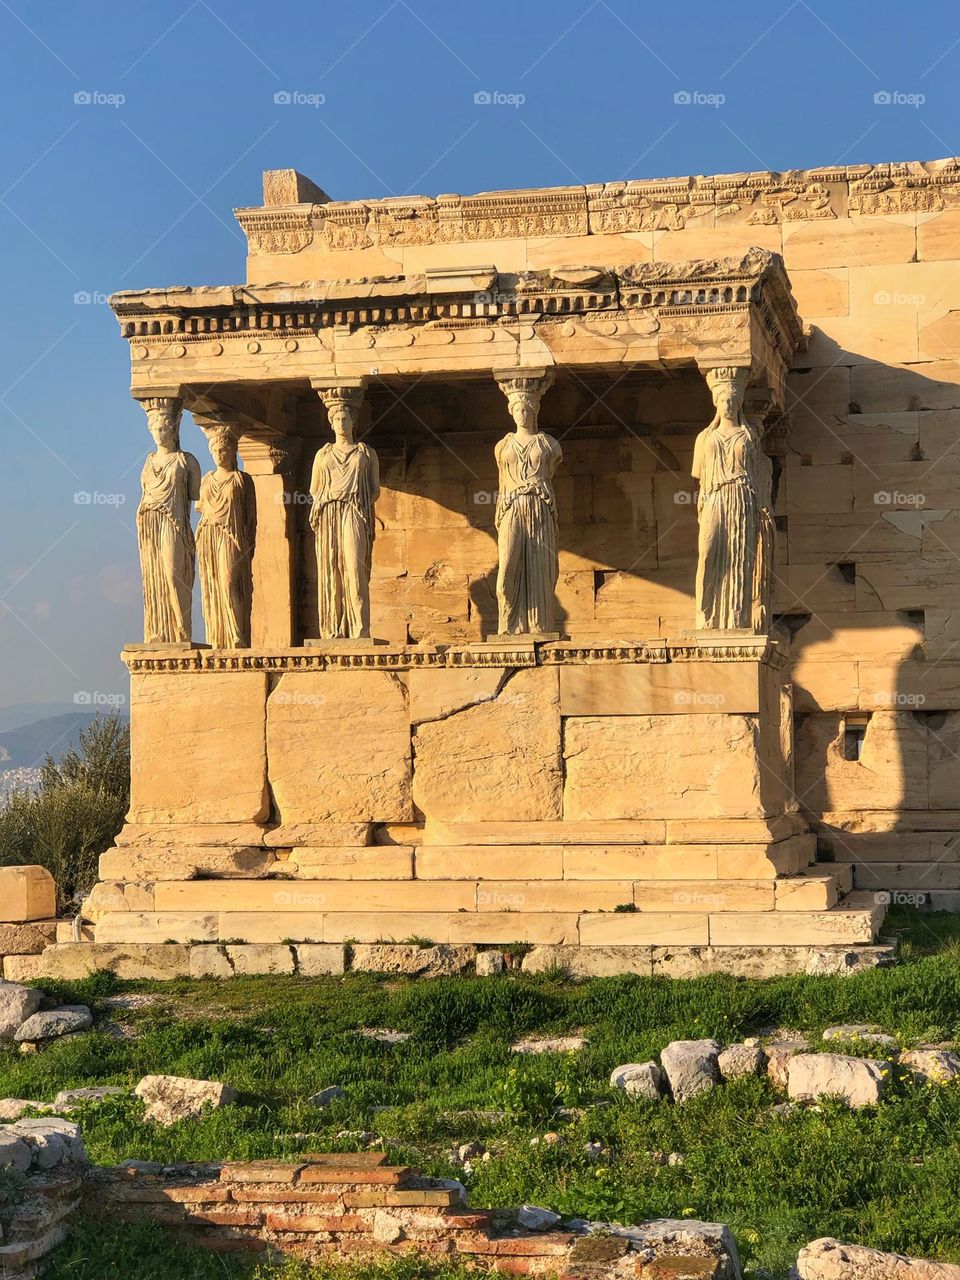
(75, 813)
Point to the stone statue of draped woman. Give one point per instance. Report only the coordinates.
(736, 537)
(225, 540)
(526, 515)
(344, 485)
(170, 482)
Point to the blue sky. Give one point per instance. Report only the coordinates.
(134, 187)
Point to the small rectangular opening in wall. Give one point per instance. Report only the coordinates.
(854, 733)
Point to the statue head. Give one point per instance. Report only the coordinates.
(727, 387)
(223, 448)
(163, 420)
(343, 411)
(524, 409)
(524, 393)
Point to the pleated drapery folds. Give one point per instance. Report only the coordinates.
(167, 551)
(526, 522)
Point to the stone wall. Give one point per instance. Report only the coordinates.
(352, 1205)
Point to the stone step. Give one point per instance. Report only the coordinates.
(816, 888)
(919, 876)
(856, 919)
(615, 831)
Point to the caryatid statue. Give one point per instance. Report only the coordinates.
(170, 481)
(736, 542)
(344, 485)
(225, 539)
(526, 514)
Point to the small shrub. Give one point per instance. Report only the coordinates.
(75, 813)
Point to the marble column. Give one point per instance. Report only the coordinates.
(270, 459)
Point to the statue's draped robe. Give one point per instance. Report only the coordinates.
(346, 484)
(735, 560)
(526, 520)
(766, 546)
(167, 553)
(224, 550)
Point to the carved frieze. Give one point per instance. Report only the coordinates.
(276, 231)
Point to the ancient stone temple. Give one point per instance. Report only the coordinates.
(554, 598)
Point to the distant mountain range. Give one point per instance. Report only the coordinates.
(27, 746)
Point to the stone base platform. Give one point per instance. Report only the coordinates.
(160, 961)
(537, 794)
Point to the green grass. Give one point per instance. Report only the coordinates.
(885, 1177)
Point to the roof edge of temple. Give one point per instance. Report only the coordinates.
(283, 188)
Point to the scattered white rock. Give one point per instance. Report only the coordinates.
(739, 1060)
(364, 1136)
(170, 1099)
(691, 1067)
(675, 1160)
(639, 1079)
(17, 1004)
(490, 963)
(55, 1023)
(863, 1031)
(326, 1096)
(828, 1259)
(534, 1218)
(859, 1082)
(929, 1066)
(385, 1035)
(593, 1150)
(469, 1151)
(550, 1044)
(96, 1093)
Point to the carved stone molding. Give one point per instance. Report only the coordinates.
(747, 648)
(764, 198)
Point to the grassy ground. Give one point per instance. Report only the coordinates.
(886, 1177)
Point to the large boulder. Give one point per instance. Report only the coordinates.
(170, 1099)
(51, 1141)
(859, 1082)
(828, 1259)
(691, 1067)
(16, 1005)
(931, 1066)
(639, 1079)
(54, 1023)
(779, 1054)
